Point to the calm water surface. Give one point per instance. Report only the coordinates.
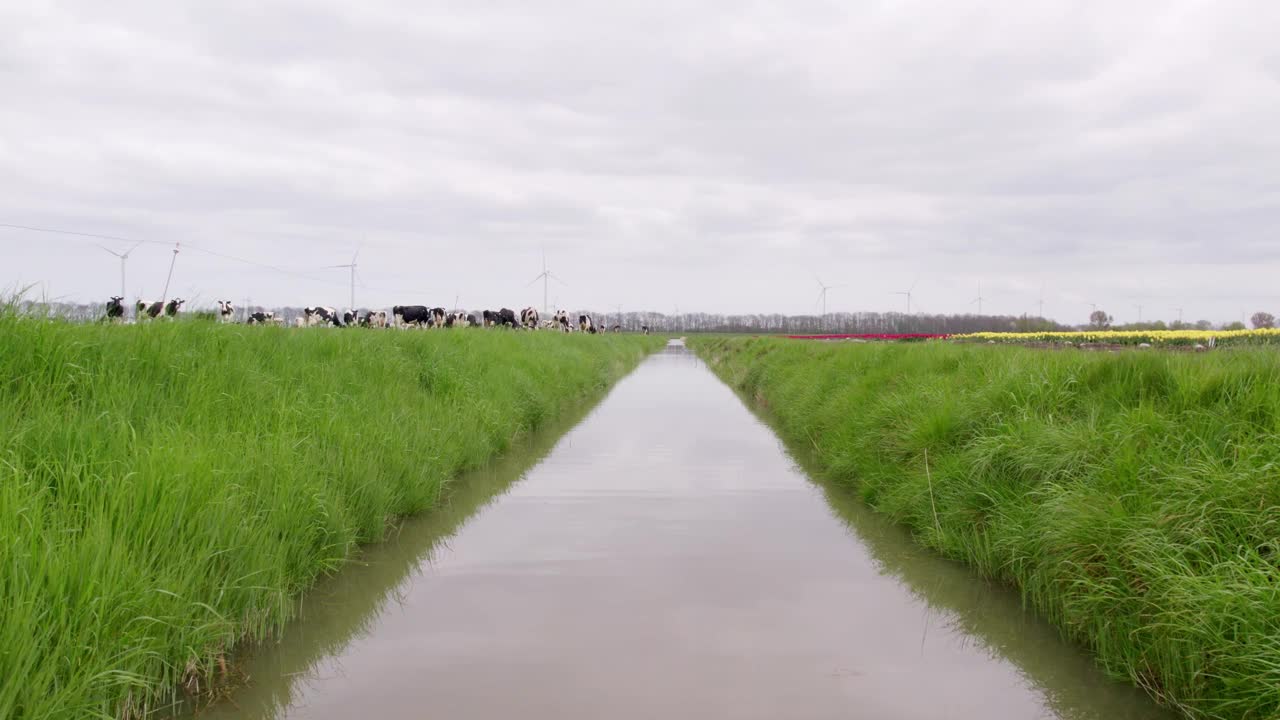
(665, 559)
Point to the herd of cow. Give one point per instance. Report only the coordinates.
(402, 316)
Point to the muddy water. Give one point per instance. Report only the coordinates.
(666, 559)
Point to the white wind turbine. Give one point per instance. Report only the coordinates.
(908, 294)
(546, 276)
(978, 299)
(822, 297)
(124, 258)
(352, 265)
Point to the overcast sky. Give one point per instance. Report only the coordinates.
(707, 155)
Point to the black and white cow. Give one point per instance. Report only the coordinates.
(473, 320)
(505, 317)
(261, 318)
(404, 315)
(115, 308)
(350, 318)
(173, 307)
(317, 316)
(529, 318)
(457, 319)
(374, 319)
(562, 321)
(586, 325)
(438, 316)
(644, 329)
(617, 329)
(148, 309)
(226, 311)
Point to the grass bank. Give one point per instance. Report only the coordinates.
(1133, 498)
(169, 490)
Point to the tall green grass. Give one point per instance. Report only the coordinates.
(1133, 498)
(168, 490)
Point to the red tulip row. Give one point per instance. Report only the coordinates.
(872, 336)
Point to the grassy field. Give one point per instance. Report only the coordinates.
(169, 490)
(1134, 498)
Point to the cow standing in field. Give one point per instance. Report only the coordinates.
(148, 309)
(457, 319)
(226, 311)
(586, 325)
(505, 317)
(317, 316)
(374, 319)
(617, 328)
(115, 309)
(562, 321)
(405, 315)
(349, 318)
(152, 310)
(529, 318)
(261, 318)
(473, 320)
(437, 318)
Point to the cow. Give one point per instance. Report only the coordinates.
(586, 325)
(437, 318)
(153, 310)
(644, 329)
(115, 309)
(457, 319)
(562, 321)
(300, 322)
(321, 316)
(617, 328)
(148, 309)
(473, 320)
(410, 315)
(505, 317)
(374, 319)
(529, 318)
(349, 318)
(226, 311)
(261, 318)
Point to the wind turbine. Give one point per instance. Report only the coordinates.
(174, 261)
(1179, 315)
(546, 276)
(1139, 306)
(908, 294)
(352, 265)
(822, 297)
(978, 299)
(124, 258)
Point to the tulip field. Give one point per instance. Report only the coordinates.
(1155, 338)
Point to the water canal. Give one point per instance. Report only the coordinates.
(665, 558)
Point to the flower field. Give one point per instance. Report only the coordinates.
(872, 336)
(1174, 338)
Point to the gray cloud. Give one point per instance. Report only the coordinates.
(711, 155)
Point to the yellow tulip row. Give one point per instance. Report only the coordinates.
(1135, 337)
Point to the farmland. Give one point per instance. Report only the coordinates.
(1131, 498)
(169, 490)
